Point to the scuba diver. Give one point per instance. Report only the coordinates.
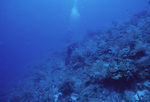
(69, 51)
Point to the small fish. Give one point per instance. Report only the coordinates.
(148, 2)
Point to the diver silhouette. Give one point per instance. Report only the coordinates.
(69, 51)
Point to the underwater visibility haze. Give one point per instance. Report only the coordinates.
(74, 50)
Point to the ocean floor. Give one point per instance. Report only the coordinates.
(109, 65)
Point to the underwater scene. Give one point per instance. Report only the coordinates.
(74, 50)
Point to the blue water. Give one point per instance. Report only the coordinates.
(30, 29)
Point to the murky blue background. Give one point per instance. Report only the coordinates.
(30, 29)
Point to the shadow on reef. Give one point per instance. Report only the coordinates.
(66, 89)
(119, 85)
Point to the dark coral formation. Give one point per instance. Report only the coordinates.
(112, 65)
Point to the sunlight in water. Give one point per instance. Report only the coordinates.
(74, 11)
